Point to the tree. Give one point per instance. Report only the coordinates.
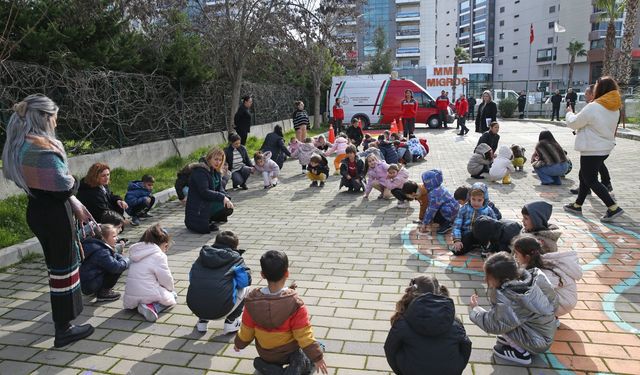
(613, 10)
(381, 62)
(576, 48)
(14, 30)
(623, 74)
(459, 54)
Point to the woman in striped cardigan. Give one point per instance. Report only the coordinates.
(36, 161)
(300, 121)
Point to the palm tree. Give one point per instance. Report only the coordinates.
(623, 74)
(459, 54)
(613, 10)
(576, 48)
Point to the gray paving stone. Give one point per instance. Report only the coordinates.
(53, 370)
(134, 368)
(17, 368)
(53, 357)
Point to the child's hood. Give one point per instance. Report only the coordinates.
(141, 250)
(430, 314)
(528, 293)
(482, 149)
(481, 186)
(271, 311)
(307, 148)
(217, 257)
(565, 261)
(267, 156)
(432, 179)
(540, 213)
(504, 152)
(136, 185)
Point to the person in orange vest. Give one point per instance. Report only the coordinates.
(338, 117)
(409, 110)
(462, 107)
(442, 103)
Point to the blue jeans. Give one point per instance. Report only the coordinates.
(550, 174)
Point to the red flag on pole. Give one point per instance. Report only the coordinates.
(531, 35)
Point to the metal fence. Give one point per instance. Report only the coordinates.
(102, 110)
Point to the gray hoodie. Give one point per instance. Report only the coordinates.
(478, 161)
(547, 234)
(563, 270)
(523, 310)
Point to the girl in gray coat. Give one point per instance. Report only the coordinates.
(480, 161)
(522, 311)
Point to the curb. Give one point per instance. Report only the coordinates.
(622, 133)
(15, 253)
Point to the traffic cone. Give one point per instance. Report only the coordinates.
(400, 126)
(394, 126)
(332, 134)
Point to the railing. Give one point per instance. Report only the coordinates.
(406, 50)
(408, 15)
(408, 32)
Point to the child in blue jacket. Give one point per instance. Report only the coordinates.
(139, 198)
(476, 206)
(442, 208)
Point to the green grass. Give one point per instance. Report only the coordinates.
(13, 222)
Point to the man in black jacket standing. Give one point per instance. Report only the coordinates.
(571, 98)
(472, 107)
(556, 99)
(242, 119)
(522, 101)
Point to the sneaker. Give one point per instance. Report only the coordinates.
(478, 176)
(610, 215)
(314, 184)
(202, 326)
(402, 204)
(233, 326)
(571, 208)
(512, 355)
(148, 311)
(244, 187)
(145, 215)
(213, 227)
(321, 183)
(268, 186)
(107, 295)
(444, 229)
(135, 221)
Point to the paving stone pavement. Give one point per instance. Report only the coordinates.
(351, 260)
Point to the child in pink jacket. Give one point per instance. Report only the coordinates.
(270, 170)
(340, 148)
(304, 152)
(397, 175)
(376, 171)
(149, 285)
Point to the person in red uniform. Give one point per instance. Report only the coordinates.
(409, 110)
(338, 116)
(462, 108)
(442, 103)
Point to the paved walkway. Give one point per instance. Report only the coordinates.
(352, 259)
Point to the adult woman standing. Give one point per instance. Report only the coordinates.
(300, 121)
(207, 201)
(242, 119)
(595, 128)
(95, 194)
(409, 109)
(36, 161)
(274, 143)
(549, 159)
(487, 112)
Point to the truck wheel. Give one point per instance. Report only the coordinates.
(433, 122)
(364, 119)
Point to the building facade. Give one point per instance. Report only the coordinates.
(446, 32)
(476, 28)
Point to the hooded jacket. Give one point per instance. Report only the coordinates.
(547, 234)
(376, 175)
(389, 152)
(339, 147)
(274, 143)
(149, 279)
(467, 215)
(322, 167)
(596, 125)
(428, 336)
(344, 168)
(202, 193)
(280, 324)
(478, 161)
(214, 280)
(304, 151)
(497, 233)
(268, 166)
(502, 165)
(523, 310)
(439, 198)
(416, 148)
(136, 194)
(398, 181)
(99, 259)
(97, 200)
(182, 179)
(563, 270)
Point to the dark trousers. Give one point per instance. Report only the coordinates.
(240, 176)
(354, 184)
(555, 111)
(589, 167)
(521, 110)
(298, 362)
(462, 123)
(439, 219)
(233, 315)
(442, 117)
(109, 280)
(141, 208)
(337, 127)
(244, 134)
(409, 126)
(469, 242)
(471, 115)
(399, 195)
(221, 215)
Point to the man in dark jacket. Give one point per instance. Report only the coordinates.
(218, 281)
(571, 98)
(522, 101)
(556, 99)
(242, 119)
(472, 107)
(354, 133)
(495, 235)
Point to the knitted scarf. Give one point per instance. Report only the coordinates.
(44, 164)
(610, 100)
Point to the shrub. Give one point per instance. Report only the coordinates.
(507, 107)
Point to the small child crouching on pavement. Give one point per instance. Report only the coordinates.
(502, 166)
(463, 239)
(535, 221)
(462, 196)
(411, 190)
(276, 317)
(442, 208)
(397, 175)
(140, 199)
(268, 168)
(317, 170)
(304, 151)
(352, 171)
(376, 170)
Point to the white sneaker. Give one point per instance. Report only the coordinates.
(148, 311)
(202, 326)
(402, 204)
(232, 327)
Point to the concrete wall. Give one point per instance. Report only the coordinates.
(147, 154)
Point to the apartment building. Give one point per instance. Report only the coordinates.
(476, 28)
(446, 33)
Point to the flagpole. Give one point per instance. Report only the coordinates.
(553, 60)
(526, 112)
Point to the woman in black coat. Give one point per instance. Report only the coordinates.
(95, 194)
(491, 137)
(486, 110)
(425, 335)
(274, 142)
(207, 201)
(242, 119)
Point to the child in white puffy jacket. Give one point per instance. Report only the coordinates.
(502, 166)
(269, 169)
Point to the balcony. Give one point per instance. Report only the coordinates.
(408, 52)
(408, 34)
(407, 16)
(402, 2)
(346, 36)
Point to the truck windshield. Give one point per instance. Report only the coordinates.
(424, 101)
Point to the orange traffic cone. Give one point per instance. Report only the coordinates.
(332, 134)
(400, 126)
(394, 126)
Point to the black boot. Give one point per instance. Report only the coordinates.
(67, 333)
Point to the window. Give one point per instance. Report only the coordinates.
(514, 71)
(501, 22)
(545, 72)
(550, 40)
(501, 36)
(551, 24)
(516, 30)
(500, 62)
(545, 55)
(517, 2)
(515, 43)
(516, 16)
(500, 49)
(552, 9)
(501, 9)
(515, 57)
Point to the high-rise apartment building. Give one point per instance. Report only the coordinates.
(476, 28)
(446, 33)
